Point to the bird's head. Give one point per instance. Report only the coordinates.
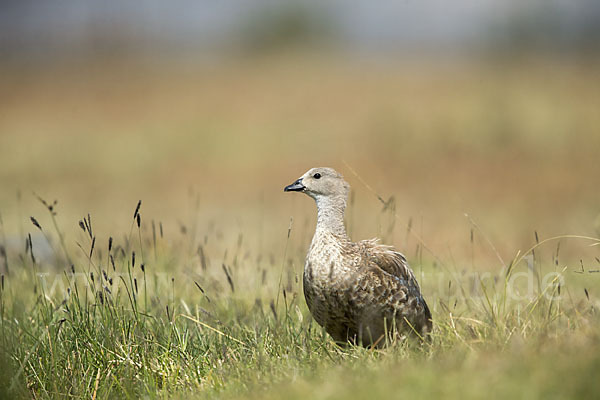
(320, 182)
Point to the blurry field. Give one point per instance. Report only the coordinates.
(208, 148)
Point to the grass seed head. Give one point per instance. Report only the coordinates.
(137, 209)
(92, 247)
(229, 280)
(35, 223)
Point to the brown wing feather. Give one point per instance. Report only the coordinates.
(391, 261)
(394, 263)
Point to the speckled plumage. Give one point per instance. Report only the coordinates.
(356, 290)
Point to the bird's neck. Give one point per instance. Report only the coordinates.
(330, 215)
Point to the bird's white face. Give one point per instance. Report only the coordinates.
(320, 181)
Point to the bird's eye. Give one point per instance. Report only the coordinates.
(317, 175)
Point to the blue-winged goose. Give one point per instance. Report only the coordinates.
(355, 290)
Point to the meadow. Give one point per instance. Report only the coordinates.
(483, 172)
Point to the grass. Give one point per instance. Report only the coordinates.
(133, 318)
(478, 171)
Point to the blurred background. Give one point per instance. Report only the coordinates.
(205, 110)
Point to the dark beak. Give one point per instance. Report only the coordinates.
(295, 187)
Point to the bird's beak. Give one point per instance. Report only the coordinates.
(295, 187)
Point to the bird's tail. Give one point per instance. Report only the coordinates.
(428, 325)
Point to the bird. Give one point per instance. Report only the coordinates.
(359, 292)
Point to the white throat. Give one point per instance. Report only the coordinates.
(330, 214)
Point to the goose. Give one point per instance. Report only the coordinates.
(359, 292)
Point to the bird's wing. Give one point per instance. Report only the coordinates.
(390, 261)
(390, 281)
